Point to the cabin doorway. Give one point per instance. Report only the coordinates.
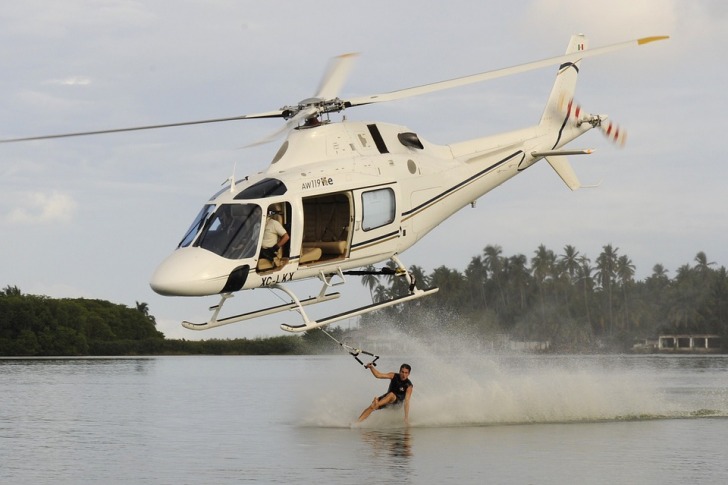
(327, 228)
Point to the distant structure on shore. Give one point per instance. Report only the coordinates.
(682, 343)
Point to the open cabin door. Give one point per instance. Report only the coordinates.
(327, 228)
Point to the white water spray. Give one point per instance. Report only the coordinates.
(457, 385)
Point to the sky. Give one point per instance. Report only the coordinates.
(93, 216)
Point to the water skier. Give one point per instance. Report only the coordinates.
(399, 392)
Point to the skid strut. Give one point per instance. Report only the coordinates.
(297, 305)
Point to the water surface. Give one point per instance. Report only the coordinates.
(475, 418)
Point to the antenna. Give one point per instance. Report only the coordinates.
(232, 179)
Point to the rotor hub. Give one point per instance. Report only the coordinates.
(318, 106)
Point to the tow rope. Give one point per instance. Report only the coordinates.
(353, 351)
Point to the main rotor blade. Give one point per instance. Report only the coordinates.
(335, 76)
(485, 76)
(270, 114)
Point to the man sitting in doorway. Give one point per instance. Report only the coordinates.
(275, 236)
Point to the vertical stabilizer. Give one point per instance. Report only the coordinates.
(565, 85)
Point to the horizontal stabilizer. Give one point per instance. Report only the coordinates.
(551, 153)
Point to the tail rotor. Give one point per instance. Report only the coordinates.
(613, 132)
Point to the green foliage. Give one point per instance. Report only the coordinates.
(317, 342)
(564, 299)
(561, 299)
(32, 325)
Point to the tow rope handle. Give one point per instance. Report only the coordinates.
(356, 356)
(352, 351)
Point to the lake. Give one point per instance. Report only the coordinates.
(475, 418)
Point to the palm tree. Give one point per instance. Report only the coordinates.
(717, 305)
(542, 264)
(625, 270)
(493, 263)
(11, 291)
(450, 282)
(587, 282)
(381, 293)
(143, 308)
(476, 277)
(542, 269)
(370, 280)
(568, 268)
(569, 261)
(625, 273)
(684, 312)
(606, 272)
(519, 276)
(703, 265)
(659, 272)
(704, 273)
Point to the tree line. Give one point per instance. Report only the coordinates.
(573, 302)
(565, 299)
(33, 325)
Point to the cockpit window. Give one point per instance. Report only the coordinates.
(264, 188)
(232, 231)
(196, 226)
(226, 188)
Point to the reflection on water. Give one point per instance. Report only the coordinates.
(394, 443)
(392, 449)
(78, 365)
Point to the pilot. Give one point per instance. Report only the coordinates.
(275, 236)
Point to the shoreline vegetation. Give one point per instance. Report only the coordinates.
(562, 300)
(40, 326)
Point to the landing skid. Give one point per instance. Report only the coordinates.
(400, 270)
(296, 303)
(310, 325)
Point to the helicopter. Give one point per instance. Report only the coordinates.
(351, 194)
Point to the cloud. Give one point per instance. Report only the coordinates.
(40, 208)
(70, 81)
(614, 20)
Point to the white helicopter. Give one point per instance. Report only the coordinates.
(351, 194)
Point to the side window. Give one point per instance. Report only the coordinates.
(377, 208)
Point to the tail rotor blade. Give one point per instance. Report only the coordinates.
(614, 133)
(574, 114)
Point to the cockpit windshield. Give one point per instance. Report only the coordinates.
(196, 225)
(232, 231)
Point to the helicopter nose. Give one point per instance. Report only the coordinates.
(190, 271)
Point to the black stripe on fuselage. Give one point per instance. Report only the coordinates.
(458, 186)
(376, 240)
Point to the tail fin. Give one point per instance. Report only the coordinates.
(565, 85)
(561, 94)
(564, 170)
